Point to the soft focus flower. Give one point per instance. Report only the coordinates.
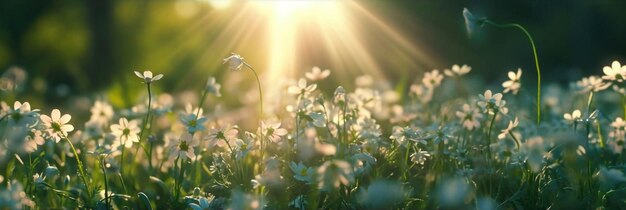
(126, 132)
(590, 84)
(14, 197)
(420, 156)
(56, 125)
(182, 147)
(432, 79)
(213, 87)
(382, 194)
(453, 192)
(302, 89)
(147, 76)
(334, 173)
(512, 124)
(221, 133)
(471, 22)
(492, 103)
(457, 70)
(302, 173)
(513, 84)
(615, 72)
(573, 117)
(235, 62)
(101, 112)
(470, 118)
(317, 74)
(21, 114)
(273, 131)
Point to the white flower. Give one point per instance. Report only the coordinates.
(470, 118)
(33, 140)
(101, 112)
(513, 84)
(491, 103)
(21, 114)
(317, 74)
(470, 21)
(573, 117)
(457, 70)
(619, 123)
(432, 79)
(591, 83)
(512, 124)
(182, 147)
(273, 131)
(213, 87)
(615, 72)
(302, 89)
(126, 132)
(147, 76)
(382, 194)
(235, 62)
(223, 133)
(56, 125)
(334, 173)
(420, 156)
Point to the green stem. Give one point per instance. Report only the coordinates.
(532, 44)
(106, 184)
(258, 82)
(493, 120)
(145, 121)
(81, 170)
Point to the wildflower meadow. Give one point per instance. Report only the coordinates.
(441, 140)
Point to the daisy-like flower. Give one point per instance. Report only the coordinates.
(512, 124)
(317, 74)
(470, 118)
(33, 140)
(126, 132)
(302, 89)
(615, 72)
(420, 156)
(491, 103)
(457, 70)
(432, 79)
(101, 112)
(302, 173)
(273, 131)
(213, 87)
(56, 125)
(235, 62)
(147, 76)
(193, 123)
(182, 147)
(21, 114)
(513, 84)
(223, 133)
(589, 84)
(340, 95)
(573, 117)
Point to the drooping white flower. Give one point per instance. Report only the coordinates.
(512, 124)
(56, 125)
(235, 62)
(126, 132)
(457, 70)
(317, 74)
(470, 118)
(471, 22)
(147, 76)
(513, 84)
(615, 72)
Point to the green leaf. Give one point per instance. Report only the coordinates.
(144, 199)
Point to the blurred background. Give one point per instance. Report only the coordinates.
(85, 48)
